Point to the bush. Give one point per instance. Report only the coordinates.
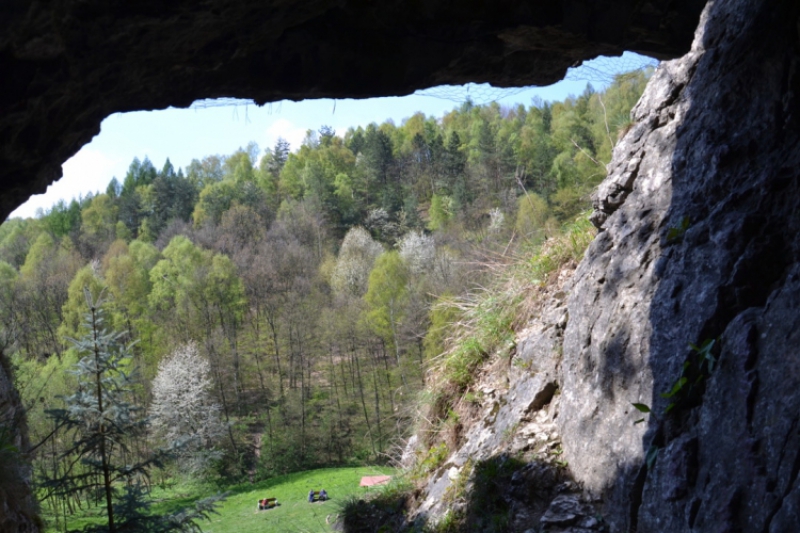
(532, 215)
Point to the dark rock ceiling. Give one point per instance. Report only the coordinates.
(67, 64)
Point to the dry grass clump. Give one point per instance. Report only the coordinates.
(487, 319)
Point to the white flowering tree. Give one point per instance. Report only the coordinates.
(356, 257)
(183, 409)
(418, 252)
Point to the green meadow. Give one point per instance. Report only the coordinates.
(239, 514)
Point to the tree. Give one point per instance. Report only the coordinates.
(270, 168)
(205, 172)
(44, 278)
(114, 188)
(240, 227)
(183, 409)
(61, 219)
(386, 298)
(215, 199)
(102, 421)
(418, 251)
(356, 256)
(98, 220)
(16, 237)
(532, 214)
(86, 279)
(277, 157)
(439, 213)
(378, 160)
(126, 273)
(139, 174)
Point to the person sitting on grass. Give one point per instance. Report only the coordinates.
(323, 495)
(311, 496)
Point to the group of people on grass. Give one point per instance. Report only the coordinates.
(313, 496)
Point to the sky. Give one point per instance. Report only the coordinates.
(221, 127)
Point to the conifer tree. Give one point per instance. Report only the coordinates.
(102, 421)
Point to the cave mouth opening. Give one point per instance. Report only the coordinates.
(216, 127)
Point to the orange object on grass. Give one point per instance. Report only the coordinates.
(370, 481)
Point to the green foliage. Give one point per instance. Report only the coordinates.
(443, 314)
(532, 214)
(439, 212)
(383, 511)
(675, 233)
(554, 253)
(694, 372)
(434, 458)
(463, 362)
(73, 311)
(37, 255)
(99, 219)
(316, 357)
(16, 237)
(238, 514)
(173, 277)
(62, 219)
(386, 294)
(215, 199)
(102, 419)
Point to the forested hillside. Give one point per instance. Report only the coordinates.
(305, 289)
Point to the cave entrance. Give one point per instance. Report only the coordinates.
(221, 126)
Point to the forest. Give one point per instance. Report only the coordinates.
(282, 309)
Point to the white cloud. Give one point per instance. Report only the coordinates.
(283, 128)
(87, 171)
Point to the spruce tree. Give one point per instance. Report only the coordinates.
(102, 421)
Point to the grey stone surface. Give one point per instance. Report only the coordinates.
(519, 419)
(66, 65)
(699, 221)
(715, 150)
(568, 510)
(18, 511)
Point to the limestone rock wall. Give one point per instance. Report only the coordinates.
(700, 215)
(18, 512)
(699, 219)
(517, 428)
